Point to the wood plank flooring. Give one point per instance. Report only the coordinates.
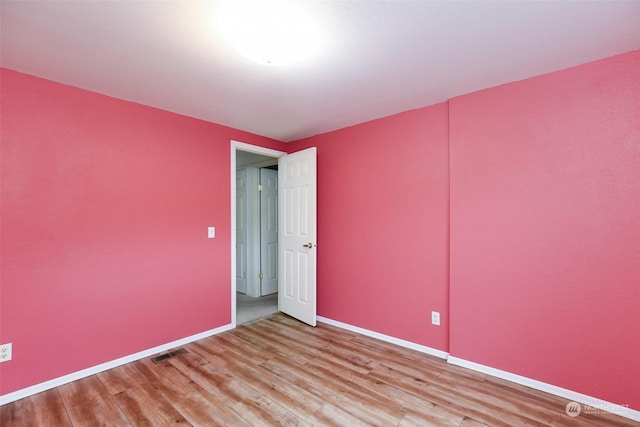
(278, 371)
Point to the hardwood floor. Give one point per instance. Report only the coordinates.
(278, 371)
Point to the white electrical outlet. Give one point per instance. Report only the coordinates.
(211, 232)
(435, 318)
(5, 352)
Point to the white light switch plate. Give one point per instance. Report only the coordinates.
(435, 318)
(211, 232)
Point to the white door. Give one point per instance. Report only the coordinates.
(297, 235)
(241, 231)
(268, 231)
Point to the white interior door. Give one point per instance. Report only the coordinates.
(297, 235)
(241, 231)
(268, 231)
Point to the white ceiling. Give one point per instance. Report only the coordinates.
(378, 57)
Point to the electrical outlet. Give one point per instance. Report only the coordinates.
(435, 318)
(211, 232)
(5, 352)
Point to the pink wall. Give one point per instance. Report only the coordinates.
(545, 228)
(104, 221)
(383, 222)
(105, 206)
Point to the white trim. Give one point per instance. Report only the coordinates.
(56, 382)
(514, 378)
(548, 388)
(593, 402)
(240, 146)
(397, 341)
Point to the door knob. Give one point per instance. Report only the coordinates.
(308, 245)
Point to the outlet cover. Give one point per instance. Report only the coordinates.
(211, 232)
(435, 318)
(5, 352)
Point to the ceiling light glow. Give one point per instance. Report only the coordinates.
(269, 32)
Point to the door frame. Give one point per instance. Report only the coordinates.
(235, 147)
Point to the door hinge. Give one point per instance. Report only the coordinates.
(261, 276)
(259, 187)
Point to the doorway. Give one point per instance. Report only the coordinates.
(254, 236)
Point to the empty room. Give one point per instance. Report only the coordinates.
(256, 213)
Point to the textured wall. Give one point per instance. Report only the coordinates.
(105, 208)
(545, 228)
(383, 224)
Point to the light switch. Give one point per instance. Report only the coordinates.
(435, 318)
(211, 232)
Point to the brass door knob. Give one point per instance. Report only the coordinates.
(308, 245)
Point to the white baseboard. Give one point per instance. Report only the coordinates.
(402, 343)
(571, 395)
(56, 382)
(518, 379)
(592, 402)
